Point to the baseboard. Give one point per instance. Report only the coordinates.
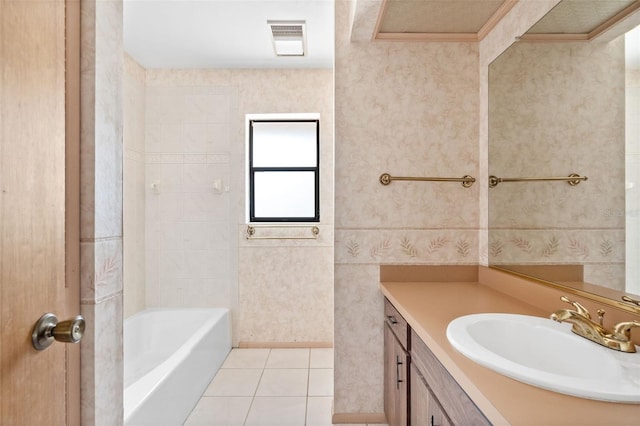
(359, 418)
(284, 345)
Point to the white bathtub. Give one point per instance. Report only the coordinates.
(170, 356)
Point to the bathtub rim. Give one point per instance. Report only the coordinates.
(139, 391)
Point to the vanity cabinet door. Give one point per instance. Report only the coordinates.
(425, 408)
(457, 405)
(396, 361)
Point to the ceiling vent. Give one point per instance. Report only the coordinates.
(288, 37)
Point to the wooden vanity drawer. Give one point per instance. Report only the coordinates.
(455, 402)
(397, 323)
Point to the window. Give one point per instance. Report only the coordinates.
(284, 173)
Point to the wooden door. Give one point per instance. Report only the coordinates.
(39, 112)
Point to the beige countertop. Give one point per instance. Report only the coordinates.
(428, 307)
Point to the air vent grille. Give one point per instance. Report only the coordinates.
(288, 37)
(286, 30)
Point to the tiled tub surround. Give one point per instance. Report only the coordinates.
(196, 250)
(133, 214)
(188, 236)
(431, 302)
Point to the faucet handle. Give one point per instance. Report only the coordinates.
(623, 330)
(579, 308)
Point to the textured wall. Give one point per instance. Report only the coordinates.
(521, 17)
(633, 179)
(286, 286)
(409, 109)
(101, 212)
(556, 109)
(133, 215)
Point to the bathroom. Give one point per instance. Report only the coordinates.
(186, 241)
(380, 89)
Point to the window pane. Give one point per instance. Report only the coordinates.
(284, 144)
(284, 194)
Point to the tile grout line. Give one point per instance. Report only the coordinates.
(253, 398)
(306, 400)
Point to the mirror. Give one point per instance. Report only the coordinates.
(558, 108)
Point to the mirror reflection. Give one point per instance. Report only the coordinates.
(558, 108)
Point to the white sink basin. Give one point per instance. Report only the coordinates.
(544, 353)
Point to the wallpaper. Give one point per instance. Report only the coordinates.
(556, 109)
(632, 162)
(399, 110)
(408, 109)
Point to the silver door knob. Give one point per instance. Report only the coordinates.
(48, 329)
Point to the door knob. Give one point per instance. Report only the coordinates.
(48, 329)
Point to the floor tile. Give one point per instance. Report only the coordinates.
(288, 358)
(246, 358)
(283, 382)
(319, 410)
(220, 411)
(284, 387)
(277, 411)
(321, 358)
(321, 382)
(234, 382)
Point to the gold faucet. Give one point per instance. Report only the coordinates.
(619, 339)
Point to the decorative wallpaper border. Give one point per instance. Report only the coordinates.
(406, 246)
(556, 246)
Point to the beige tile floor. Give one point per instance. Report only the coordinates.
(283, 387)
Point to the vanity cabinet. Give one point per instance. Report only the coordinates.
(446, 402)
(396, 367)
(418, 390)
(425, 408)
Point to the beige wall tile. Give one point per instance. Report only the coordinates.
(133, 214)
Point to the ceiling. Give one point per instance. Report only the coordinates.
(459, 20)
(235, 34)
(437, 16)
(579, 16)
(224, 33)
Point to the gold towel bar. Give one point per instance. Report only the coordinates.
(573, 179)
(251, 231)
(631, 300)
(466, 180)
